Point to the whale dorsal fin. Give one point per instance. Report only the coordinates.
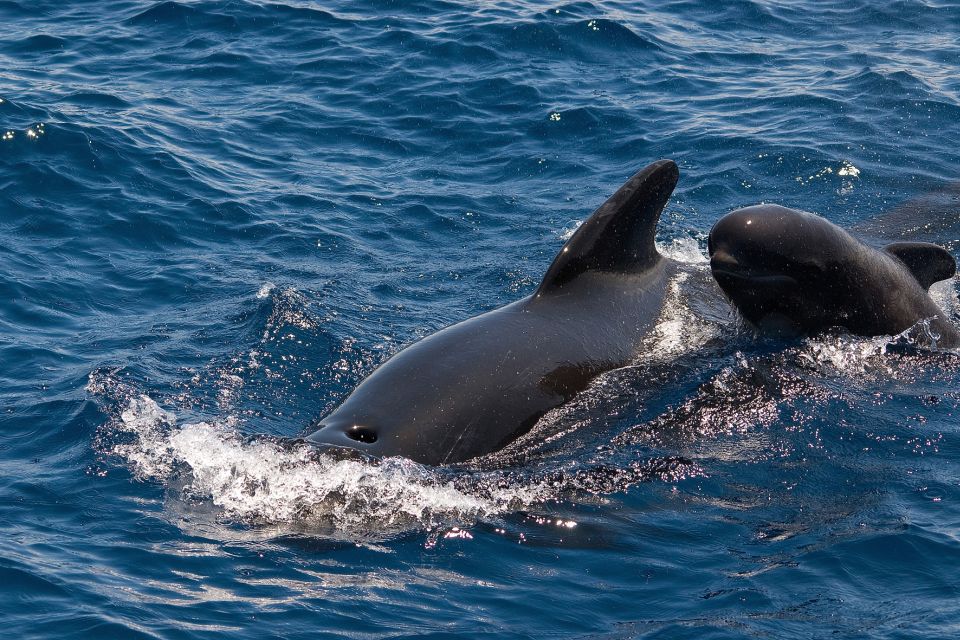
(927, 262)
(619, 236)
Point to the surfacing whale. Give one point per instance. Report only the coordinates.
(476, 386)
(793, 272)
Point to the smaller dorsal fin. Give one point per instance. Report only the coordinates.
(927, 262)
(619, 236)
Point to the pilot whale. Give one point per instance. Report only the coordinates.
(794, 272)
(474, 387)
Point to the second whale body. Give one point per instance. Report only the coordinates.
(794, 272)
(474, 387)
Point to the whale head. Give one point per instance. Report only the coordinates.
(791, 272)
(782, 268)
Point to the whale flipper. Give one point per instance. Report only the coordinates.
(619, 236)
(927, 262)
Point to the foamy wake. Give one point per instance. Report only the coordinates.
(266, 481)
(945, 295)
(680, 329)
(684, 250)
(848, 355)
(856, 355)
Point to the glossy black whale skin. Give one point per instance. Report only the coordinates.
(793, 272)
(476, 386)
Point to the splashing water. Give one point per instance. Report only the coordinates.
(263, 480)
(685, 249)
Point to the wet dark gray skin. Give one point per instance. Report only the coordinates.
(792, 272)
(474, 387)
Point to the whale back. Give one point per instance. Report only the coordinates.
(619, 236)
(472, 388)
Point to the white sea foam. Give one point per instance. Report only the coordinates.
(847, 169)
(679, 329)
(849, 355)
(265, 481)
(858, 355)
(685, 250)
(846, 354)
(567, 232)
(945, 295)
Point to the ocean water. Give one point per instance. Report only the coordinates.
(217, 217)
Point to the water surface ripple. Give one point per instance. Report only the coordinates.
(217, 217)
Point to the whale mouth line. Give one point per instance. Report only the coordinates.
(759, 277)
(725, 266)
(342, 452)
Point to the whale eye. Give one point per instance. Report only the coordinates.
(362, 434)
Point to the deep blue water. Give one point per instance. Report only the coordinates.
(217, 217)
